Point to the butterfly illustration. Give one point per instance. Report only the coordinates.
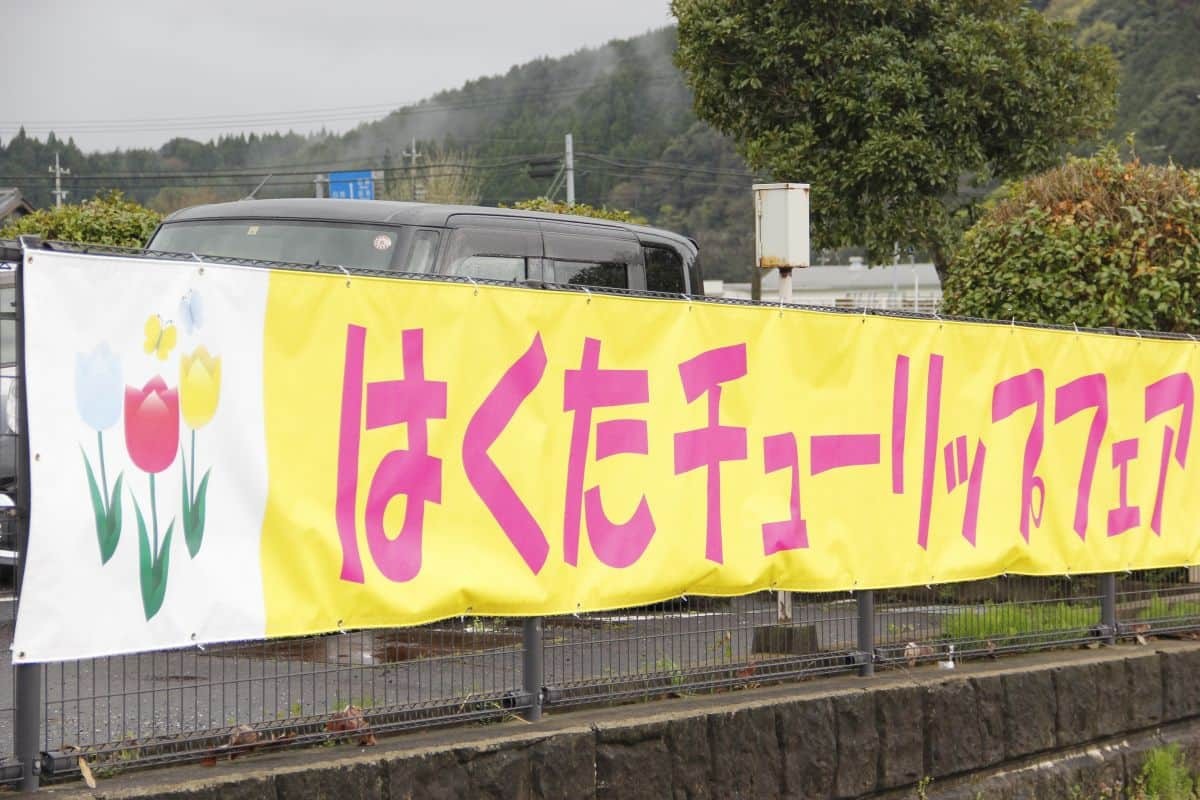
(191, 312)
(160, 337)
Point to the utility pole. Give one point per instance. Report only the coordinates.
(58, 171)
(412, 155)
(569, 165)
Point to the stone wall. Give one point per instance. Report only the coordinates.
(1041, 726)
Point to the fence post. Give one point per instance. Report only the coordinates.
(865, 602)
(27, 689)
(532, 668)
(1108, 606)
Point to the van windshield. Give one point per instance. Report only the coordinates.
(381, 247)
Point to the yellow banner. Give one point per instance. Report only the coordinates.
(436, 450)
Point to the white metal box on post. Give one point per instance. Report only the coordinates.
(781, 242)
(781, 230)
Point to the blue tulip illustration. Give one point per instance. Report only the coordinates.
(99, 394)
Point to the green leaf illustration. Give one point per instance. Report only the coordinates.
(187, 500)
(105, 535)
(153, 566)
(114, 517)
(193, 527)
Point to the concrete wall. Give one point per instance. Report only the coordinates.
(1064, 724)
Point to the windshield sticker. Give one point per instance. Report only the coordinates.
(252, 230)
(383, 242)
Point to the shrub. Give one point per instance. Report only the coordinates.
(109, 219)
(1095, 242)
(579, 209)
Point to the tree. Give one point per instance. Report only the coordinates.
(579, 210)
(110, 219)
(885, 106)
(1095, 242)
(445, 177)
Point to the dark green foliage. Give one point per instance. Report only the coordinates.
(110, 219)
(1158, 45)
(882, 106)
(1095, 243)
(578, 209)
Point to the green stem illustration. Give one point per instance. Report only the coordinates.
(192, 488)
(103, 472)
(154, 514)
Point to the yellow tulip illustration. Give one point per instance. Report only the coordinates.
(199, 390)
(199, 386)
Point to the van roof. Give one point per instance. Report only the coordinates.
(393, 212)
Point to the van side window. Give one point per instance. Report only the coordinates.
(491, 253)
(495, 268)
(586, 273)
(422, 251)
(664, 270)
(590, 260)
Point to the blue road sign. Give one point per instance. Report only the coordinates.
(358, 185)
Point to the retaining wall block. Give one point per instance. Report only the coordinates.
(563, 765)
(249, 789)
(1079, 694)
(900, 720)
(1144, 685)
(691, 762)
(807, 733)
(428, 776)
(1029, 711)
(989, 704)
(501, 774)
(857, 770)
(335, 782)
(631, 762)
(745, 754)
(953, 735)
(1181, 690)
(1113, 710)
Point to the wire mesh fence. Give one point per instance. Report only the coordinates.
(140, 710)
(135, 711)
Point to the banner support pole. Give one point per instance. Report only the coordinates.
(865, 602)
(27, 689)
(532, 666)
(1108, 607)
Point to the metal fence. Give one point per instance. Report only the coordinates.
(137, 711)
(140, 710)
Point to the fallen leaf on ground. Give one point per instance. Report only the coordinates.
(86, 771)
(351, 720)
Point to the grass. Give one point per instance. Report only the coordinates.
(1009, 624)
(1164, 776)
(1162, 608)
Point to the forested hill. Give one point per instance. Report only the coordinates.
(1158, 45)
(638, 145)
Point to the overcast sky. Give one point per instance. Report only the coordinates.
(135, 73)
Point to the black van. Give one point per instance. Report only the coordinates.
(493, 243)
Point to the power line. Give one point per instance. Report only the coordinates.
(214, 122)
(257, 172)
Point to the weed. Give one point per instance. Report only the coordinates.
(667, 664)
(1162, 608)
(1164, 776)
(923, 788)
(1011, 623)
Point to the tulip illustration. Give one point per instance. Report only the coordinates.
(152, 439)
(98, 399)
(200, 389)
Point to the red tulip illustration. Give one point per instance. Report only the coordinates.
(152, 425)
(152, 439)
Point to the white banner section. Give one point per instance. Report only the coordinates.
(147, 457)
